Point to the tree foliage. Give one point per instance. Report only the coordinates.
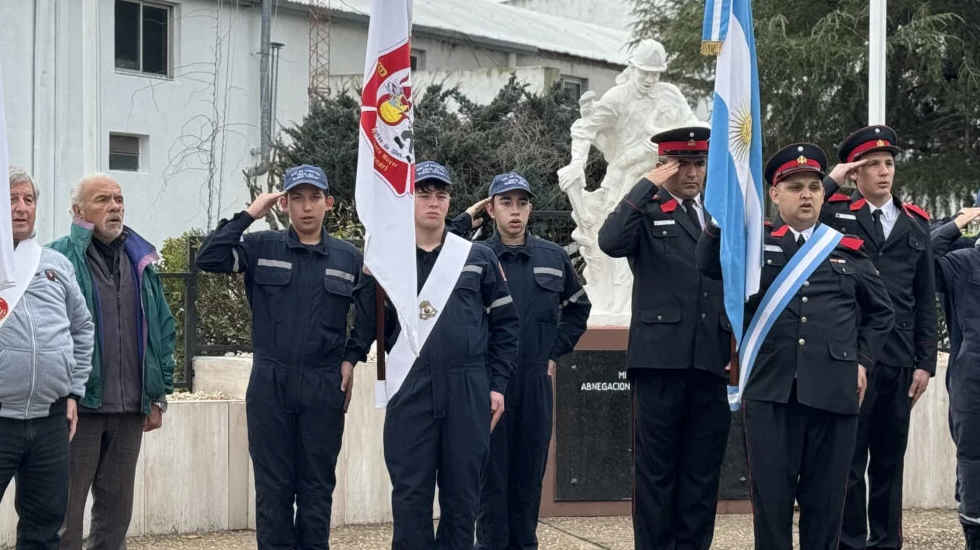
(519, 130)
(813, 66)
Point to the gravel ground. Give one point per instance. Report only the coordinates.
(924, 530)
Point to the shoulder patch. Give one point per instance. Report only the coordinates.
(917, 210)
(851, 243)
(669, 206)
(858, 204)
(839, 197)
(780, 232)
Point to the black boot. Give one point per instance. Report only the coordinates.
(971, 532)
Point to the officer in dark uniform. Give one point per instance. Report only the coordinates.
(553, 309)
(958, 278)
(802, 397)
(896, 237)
(299, 283)
(437, 426)
(679, 344)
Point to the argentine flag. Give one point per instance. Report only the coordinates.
(734, 193)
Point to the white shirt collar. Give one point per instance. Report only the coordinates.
(697, 199)
(888, 210)
(807, 233)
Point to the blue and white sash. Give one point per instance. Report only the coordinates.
(806, 260)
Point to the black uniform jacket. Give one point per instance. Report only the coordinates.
(551, 303)
(958, 278)
(300, 294)
(678, 318)
(478, 328)
(905, 263)
(833, 322)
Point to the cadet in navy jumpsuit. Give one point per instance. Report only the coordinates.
(300, 284)
(437, 426)
(958, 278)
(553, 309)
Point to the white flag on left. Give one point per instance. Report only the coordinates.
(385, 186)
(6, 236)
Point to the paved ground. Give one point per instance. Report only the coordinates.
(924, 530)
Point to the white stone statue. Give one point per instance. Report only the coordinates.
(620, 125)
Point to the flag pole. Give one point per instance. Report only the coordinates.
(877, 52)
(379, 309)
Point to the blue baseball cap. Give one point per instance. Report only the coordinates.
(509, 181)
(431, 170)
(305, 173)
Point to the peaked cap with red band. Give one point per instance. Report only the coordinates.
(868, 140)
(793, 159)
(686, 141)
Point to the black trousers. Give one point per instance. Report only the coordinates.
(511, 494)
(797, 453)
(681, 422)
(295, 425)
(963, 384)
(883, 434)
(36, 451)
(435, 437)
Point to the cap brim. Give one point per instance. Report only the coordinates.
(890, 148)
(434, 179)
(319, 185)
(528, 191)
(799, 170)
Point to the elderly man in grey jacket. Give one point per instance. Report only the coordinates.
(46, 338)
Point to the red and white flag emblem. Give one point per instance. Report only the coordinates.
(386, 162)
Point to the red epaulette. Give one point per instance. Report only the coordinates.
(852, 243)
(780, 232)
(858, 204)
(915, 209)
(669, 206)
(838, 197)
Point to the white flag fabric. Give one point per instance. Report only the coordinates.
(7, 277)
(386, 162)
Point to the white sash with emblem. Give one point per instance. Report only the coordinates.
(431, 301)
(27, 256)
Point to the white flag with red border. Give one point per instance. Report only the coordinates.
(386, 162)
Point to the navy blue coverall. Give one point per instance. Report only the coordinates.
(300, 297)
(958, 278)
(437, 426)
(553, 310)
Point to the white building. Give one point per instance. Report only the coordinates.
(164, 94)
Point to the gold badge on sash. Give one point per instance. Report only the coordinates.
(426, 310)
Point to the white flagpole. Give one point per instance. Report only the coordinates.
(876, 61)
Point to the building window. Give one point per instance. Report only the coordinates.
(143, 32)
(418, 60)
(574, 86)
(124, 152)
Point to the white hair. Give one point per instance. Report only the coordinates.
(17, 175)
(76, 191)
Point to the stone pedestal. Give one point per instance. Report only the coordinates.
(589, 470)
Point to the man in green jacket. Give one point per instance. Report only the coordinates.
(132, 363)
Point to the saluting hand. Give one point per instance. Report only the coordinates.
(920, 381)
(263, 204)
(346, 382)
(842, 171)
(862, 384)
(496, 408)
(967, 215)
(477, 209)
(662, 173)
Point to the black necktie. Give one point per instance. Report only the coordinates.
(800, 240)
(692, 213)
(879, 229)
